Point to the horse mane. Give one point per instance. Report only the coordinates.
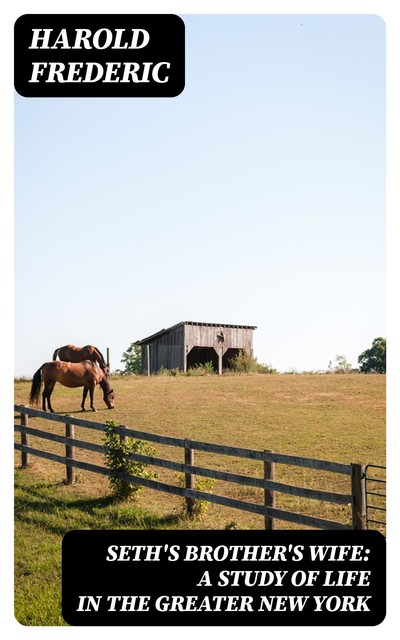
(100, 355)
(105, 385)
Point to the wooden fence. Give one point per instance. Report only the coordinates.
(355, 472)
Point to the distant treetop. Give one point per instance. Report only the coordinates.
(373, 360)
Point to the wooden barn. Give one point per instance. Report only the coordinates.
(187, 344)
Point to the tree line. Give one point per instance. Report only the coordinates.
(372, 360)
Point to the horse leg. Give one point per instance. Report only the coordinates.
(44, 396)
(48, 397)
(91, 391)
(85, 392)
(47, 391)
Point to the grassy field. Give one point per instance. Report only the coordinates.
(331, 417)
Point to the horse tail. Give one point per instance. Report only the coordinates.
(35, 388)
(55, 354)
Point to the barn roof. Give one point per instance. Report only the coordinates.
(197, 324)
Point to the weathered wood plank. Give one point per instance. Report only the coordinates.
(323, 465)
(239, 452)
(54, 437)
(56, 417)
(261, 483)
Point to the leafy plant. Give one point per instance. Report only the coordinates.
(244, 362)
(132, 358)
(201, 483)
(373, 360)
(163, 371)
(204, 369)
(117, 458)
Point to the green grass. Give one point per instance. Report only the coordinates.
(44, 512)
(331, 417)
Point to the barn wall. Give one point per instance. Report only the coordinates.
(166, 351)
(205, 336)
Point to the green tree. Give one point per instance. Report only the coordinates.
(373, 360)
(132, 359)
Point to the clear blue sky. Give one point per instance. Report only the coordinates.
(255, 197)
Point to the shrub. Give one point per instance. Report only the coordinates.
(244, 362)
(201, 369)
(163, 371)
(201, 483)
(117, 458)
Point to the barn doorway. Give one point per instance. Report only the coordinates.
(202, 355)
(228, 356)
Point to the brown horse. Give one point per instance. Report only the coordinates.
(70, 353)
(84, 374)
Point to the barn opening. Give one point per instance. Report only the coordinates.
(228, 356)
(201, 355)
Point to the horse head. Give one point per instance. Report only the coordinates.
(108, 393)
(109, 398)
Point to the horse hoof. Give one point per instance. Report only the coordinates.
(93, 409)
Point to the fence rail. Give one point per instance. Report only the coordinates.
(356, 473)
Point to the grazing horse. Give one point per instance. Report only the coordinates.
(70, 353)
(84, 374)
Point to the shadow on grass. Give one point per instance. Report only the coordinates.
(76, 411)
(40, 504)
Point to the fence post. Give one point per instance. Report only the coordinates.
(24, 441)
(269, 495)
(189, 481)
(358, 496)
(70, 453)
